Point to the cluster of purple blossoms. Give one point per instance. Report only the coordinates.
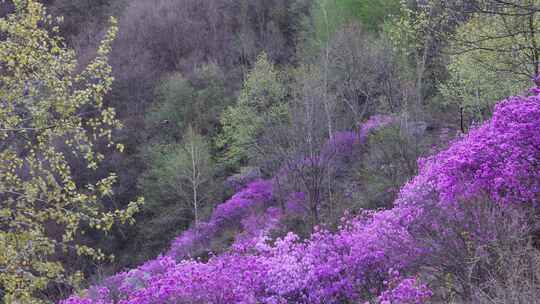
(500, 159)
(371, 257)
(405, 291)
(254, 197)
(373, 123)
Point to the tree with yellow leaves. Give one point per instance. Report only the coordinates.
(50, 115)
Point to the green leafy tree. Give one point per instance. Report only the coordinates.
(195, 101)
(495, 53)
(418, 34)
(261, 101)
(502, 36)
(186, 113)
(475, 89)
(190, 171)
(330, 15)
(179, 186)
(49, 114)
(372, 13)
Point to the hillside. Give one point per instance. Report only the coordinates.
(458, 203)
(269, 151)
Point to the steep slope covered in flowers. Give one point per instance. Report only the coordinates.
(255, 197)
(372, 257)
(499, 159)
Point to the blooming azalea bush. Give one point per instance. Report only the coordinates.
(373, 123)
(500, 158)
(255, 196)
(373, 257)
(405, 291)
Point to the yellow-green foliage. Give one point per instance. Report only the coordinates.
(49, 112)
(476, 88)
(493, 60)
(330, 15)
(261, 101)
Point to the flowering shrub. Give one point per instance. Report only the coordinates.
(256, 196)
(342, 144)
(405, 291)
(371, 257)
(500, 158)
(255, 228)
(327, 268)
(373, 123)
(295, 204)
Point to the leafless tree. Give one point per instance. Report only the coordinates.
(297, 151)
(366, 74)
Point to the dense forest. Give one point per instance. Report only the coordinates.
(269, 151)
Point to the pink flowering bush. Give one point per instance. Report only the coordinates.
(375, 256)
